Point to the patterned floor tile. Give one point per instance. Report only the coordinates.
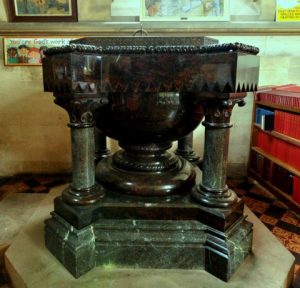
(276, 212)
(288, 227)
(283, 240)
(268, 220)
(290, 218)
(282, 233)
(18, 187)
(277, 217)
(296, 238)
(269, 226)
(262, 192)
(296, 277)
(293, 246)
(256, 205)
(245, 185)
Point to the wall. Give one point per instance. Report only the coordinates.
(34, 135)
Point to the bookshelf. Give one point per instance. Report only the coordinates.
(275, 152)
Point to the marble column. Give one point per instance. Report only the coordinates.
(83, 189)
(213, 190)
(101, 150)
(185, 149)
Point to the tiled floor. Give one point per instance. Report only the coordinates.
(283, 223)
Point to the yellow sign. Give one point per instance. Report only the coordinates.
(288, 10)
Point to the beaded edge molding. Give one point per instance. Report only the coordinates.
(117, 49)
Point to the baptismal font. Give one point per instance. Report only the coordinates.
(144, 206)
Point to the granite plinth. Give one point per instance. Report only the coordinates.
(269, 266)
(161, 233)
(160, 244)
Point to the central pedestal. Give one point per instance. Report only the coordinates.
(146, 171)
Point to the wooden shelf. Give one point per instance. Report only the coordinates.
(277, 161)
(287, 199)
(269, 160)
(95, 28)
(278, 107)
(280, 136)
(256, 126)
(285, 138)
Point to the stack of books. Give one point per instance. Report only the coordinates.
(280, 149)
(296, 189)
(265, 118)
(287, 123)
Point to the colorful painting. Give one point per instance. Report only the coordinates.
(43, 7)
(43, 10)
(29, 51)
(184, 10)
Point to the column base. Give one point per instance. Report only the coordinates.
(215, 198)
(191, 156)
(84, 196)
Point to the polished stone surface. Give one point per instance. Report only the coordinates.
(269, 266)
(159, 244)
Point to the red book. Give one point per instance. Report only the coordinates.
(281, 97)
(287, 123)
(296, 189)
(288, 87)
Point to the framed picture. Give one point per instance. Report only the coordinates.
(287, 11)
(19, 51)
(43, 10)
(245, 9)
(184, 10)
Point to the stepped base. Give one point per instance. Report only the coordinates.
(270, 265)
(155, 244)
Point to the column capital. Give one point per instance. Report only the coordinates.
(218, 111)
(80, 109)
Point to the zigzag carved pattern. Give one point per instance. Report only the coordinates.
(120, 87)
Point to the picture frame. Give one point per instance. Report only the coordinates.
(184, 10)
(43, 11)
(287, 11)
(28, 51)
(250, 10)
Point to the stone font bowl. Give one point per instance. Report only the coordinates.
(148, 117)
